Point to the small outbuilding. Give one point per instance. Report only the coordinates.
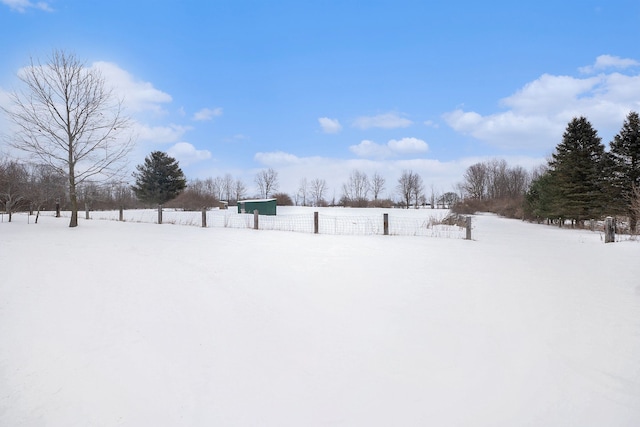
(263, 206)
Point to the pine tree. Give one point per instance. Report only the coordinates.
(577, 167)
(541, 200)
(159, 179)
(625, 156)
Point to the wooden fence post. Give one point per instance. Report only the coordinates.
(121, 216)
(385, 221)
(468, 237)
(204, 217)
(609, 230)
(86, 210)
(255, 219)
(159, 214)
(57, 209)
(316, 223)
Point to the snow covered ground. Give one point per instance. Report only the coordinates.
(134, 324)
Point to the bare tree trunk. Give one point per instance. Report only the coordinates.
(633, 221)
(74, 211)
(73, 197)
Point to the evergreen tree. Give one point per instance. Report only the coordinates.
(577, 168)
(159, 179)
(625, 156)
(541, 200)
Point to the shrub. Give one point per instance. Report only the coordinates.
(283, 199)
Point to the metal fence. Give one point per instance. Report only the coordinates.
(334, 221)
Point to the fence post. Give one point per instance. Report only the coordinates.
(255, 219)
(57, 209)
(159, 214)
(204, 217)
(86, 210)
(385, 221)
(468, 228)
(121, 216)
(609, 230)
(316, 223)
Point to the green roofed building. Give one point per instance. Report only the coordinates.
(263, 206)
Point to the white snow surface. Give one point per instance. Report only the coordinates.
(132, 324)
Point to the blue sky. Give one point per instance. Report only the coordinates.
(316, 89)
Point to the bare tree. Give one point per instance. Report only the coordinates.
(14, 180)
(45, 186)
(68, 119)
(267, 181)
(497, 178)
(227, 187)
(432, 197)
(518, 180)
(216, 188)
(635, 206)
(409, 186)
(239, 190)
(448, 199)
(122, 194)
(318, 189)
(377, 185)
(209, 187)
(418, 191)
(356, 189)
(302, 191)
(475, 181)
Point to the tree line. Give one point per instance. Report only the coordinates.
(159, 180)
(583, 181)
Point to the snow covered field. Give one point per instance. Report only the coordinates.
(134, 324)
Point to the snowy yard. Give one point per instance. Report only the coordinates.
(134, 324)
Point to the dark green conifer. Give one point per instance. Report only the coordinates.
(159, 179)
(577, 167)
(625, 158)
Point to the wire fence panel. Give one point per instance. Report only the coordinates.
(301, 223)
(339, 222)
(352, 225)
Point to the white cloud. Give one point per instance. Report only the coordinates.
(22, 5)
(404, 146)
(276, 158)
(138, 96)
(160, 134)
(187, 154)
(383, 121)
(207, 114)
(604, 62)
(537, 114)
(330, 125)
(370, 149)
(408, 146)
